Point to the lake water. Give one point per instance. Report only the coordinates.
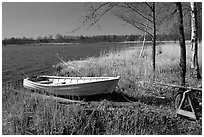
(30, 59)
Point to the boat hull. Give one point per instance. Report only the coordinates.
(101, 85)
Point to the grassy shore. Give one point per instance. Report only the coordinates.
(150, 109)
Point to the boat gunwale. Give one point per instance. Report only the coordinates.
(106, 79)
(61, 77)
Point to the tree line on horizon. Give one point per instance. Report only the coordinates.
(88, 39)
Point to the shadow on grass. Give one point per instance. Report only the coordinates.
(121, 97)
(115, 97)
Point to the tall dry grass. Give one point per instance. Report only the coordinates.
(132, 69)
(24, 114)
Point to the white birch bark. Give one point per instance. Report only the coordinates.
(194, 40)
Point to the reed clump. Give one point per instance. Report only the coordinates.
(149, 115)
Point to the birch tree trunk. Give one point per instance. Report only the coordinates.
(194, 40)
(142, 46)
(182, 44)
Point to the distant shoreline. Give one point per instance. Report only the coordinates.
(123, 42)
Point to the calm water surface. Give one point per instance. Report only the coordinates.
(24, 59)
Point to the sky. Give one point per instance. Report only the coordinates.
(34, 19)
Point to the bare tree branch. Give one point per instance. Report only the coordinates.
(166, 18)
(101, 6)
(101, 15)
(93, 18)
(148, 5)
(137, 11)
(165, 9)
(132, 23)
(140, 23)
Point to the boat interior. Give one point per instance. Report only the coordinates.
(59, 81)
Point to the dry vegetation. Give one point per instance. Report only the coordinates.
(150, 110)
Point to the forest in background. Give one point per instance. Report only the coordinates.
(88, 39)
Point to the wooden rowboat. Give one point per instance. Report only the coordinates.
(73, 86)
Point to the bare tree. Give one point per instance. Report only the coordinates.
(194, 40)
(182, 44)
(135, 14)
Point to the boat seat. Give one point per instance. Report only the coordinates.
(58, 83)
(45, 82)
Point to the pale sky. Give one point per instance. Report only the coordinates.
(33, 19)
